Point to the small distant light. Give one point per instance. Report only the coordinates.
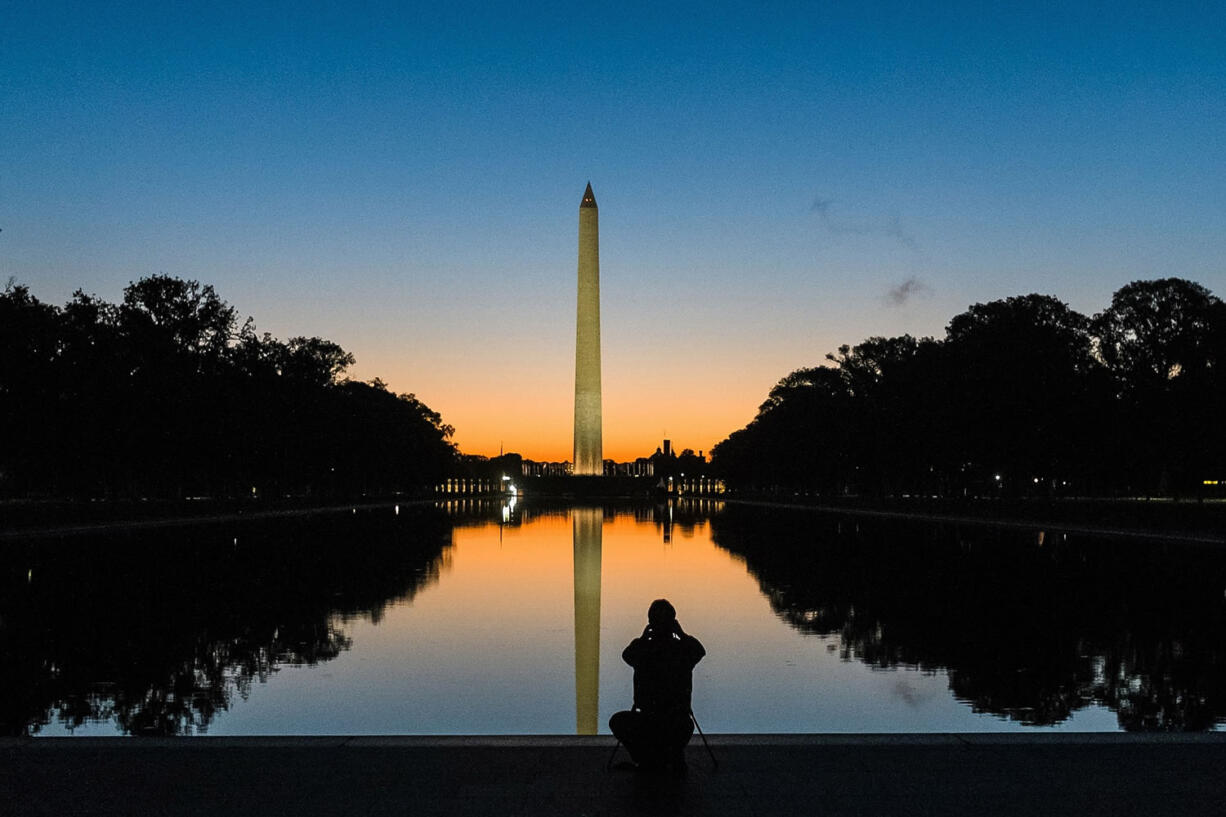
(998, 477)
(235, 541)
(1036, 480)
(355, 510)
(29, 575)
(397, 510)
(1212, 482)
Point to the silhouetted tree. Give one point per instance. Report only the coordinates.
(29, 406)
(1164, 343)
(1156, 331)
(163, 395)
(1020, 370)
(798, 439)
(1022, 396)
(162, 315)
(313, 361)
(893, 382)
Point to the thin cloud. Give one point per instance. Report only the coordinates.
(891, 228)
(908, 289)
(822, 206)
(894, 230)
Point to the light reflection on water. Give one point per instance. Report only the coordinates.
(515, 624)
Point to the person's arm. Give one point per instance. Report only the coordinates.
(693, 648)
(631, 654)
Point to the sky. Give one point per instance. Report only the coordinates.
(774, 180)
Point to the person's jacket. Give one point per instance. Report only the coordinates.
(663, 666)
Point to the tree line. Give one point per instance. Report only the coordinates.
(167, 395)
(1023, 396)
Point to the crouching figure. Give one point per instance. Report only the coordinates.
(658, 727)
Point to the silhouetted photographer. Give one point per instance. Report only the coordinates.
(658, 727)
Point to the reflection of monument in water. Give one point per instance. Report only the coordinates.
(587, 534)
(589, 458)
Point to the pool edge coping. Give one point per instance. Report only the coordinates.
(949, 740)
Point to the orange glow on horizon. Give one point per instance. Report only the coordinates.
(520, 410)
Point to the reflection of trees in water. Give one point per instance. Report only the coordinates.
(1028, 631)
(160, 630)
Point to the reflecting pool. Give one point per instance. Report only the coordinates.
(486, 618)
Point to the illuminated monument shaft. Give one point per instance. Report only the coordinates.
(589, 458)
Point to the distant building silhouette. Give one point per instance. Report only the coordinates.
(641, 467)
(532, 468)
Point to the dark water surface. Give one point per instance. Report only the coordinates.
(487, 619)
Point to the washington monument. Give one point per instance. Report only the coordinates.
(589, 457)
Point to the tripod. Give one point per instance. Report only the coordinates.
(714, 763)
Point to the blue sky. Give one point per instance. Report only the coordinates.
(405, 180)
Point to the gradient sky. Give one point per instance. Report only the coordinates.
(773, 179)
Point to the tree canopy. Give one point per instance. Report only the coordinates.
(1023, 395)
(165, 395)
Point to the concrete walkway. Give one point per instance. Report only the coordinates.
(969, 774)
